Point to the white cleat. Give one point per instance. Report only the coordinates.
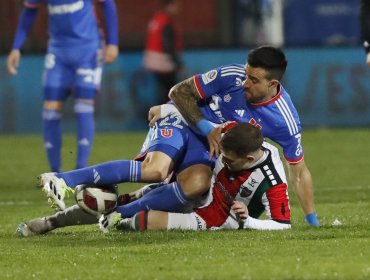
(55, 189)
(109, 221)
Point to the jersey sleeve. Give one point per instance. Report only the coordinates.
(26, 21)
(218, 80)
(291, 143)
(110, 15)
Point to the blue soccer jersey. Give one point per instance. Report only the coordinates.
(63, 16)
(223, 99)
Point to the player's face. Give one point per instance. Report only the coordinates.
(257, 87)
(235, 163)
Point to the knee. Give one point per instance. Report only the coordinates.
(195, 185)
(152, 172)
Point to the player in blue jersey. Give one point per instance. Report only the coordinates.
(250, 93)
(268, 107)
(73, 65)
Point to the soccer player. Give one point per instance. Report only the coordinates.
(365, 27)
(249, 173)
(170, 146)
(249, 93)
(73, 64)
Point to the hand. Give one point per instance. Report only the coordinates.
(13, 61)
(214, 138)
(368, 59)
(154, 115)
(111, 53)
(240, 210)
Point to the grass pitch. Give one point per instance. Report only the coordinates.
(339, 163)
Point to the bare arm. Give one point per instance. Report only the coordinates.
(185, 96)
(301, 179)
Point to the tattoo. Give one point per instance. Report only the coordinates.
(185, 96)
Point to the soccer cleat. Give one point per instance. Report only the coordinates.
(109, 221)
(34, 227)
(55, 189)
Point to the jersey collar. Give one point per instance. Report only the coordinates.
(267, 102)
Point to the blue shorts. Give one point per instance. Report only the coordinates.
(78, 71)
(174, 138)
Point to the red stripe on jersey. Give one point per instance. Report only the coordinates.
(198, 86)
(279, 203)
(294, 161)
(223, 192)
(272, 100)
(227, 126)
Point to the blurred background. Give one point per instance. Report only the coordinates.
(327, 76)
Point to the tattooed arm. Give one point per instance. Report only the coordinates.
(185, 96)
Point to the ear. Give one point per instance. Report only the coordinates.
(250, 158)
(274, 83)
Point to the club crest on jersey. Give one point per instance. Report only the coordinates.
(209, 76)
(166, 132)
(227, 98)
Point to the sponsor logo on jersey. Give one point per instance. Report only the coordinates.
(209, 76)
(240, 112)
(65, 8)
(227, 98)
(254, 122)
(166, 132)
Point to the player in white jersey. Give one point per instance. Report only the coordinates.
(251, 93)
(249, 173)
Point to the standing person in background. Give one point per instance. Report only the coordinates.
(163, 47)
(365, 27)
(73, 63)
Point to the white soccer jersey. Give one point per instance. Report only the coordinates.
(262, 188)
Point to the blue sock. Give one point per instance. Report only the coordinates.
(52, 137)
(112, 172)
(312, 219)
(85, 132)
(169, 198)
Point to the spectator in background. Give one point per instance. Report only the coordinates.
(163, 47)
(365, 27)
(73, 62)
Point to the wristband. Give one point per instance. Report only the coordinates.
(312, 219)
(204, 126)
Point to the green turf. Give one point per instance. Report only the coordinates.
(338, 160)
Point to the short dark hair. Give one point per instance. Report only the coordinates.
(242, 139)
(269, 58)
